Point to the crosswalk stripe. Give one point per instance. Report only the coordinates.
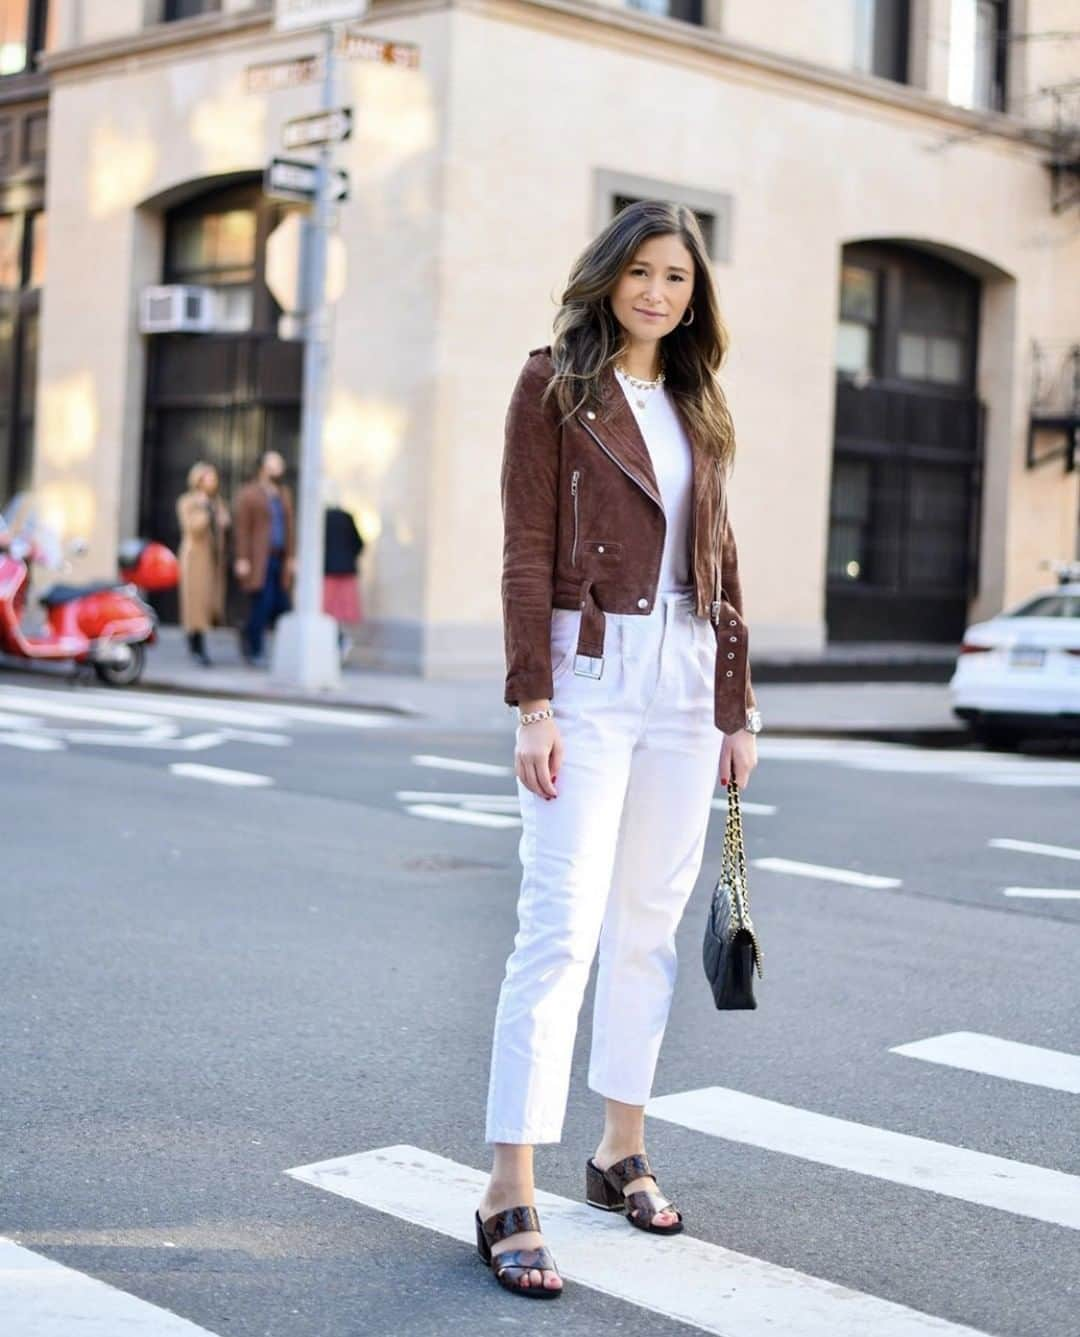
(32, 742)
(954, 1172)
(758, 809)
(998, 1058)
(458, 764)
(1035, 847)
(684, 1279)
(1043, 893)
(824, 873)
(42, 1298)
(219, 775)
(467, 816)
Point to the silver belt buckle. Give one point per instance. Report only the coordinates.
(589, 666)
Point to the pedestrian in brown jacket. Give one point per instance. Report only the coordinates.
(264, 550)
(204, 523)
(627, 657)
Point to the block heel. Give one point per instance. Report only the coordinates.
(606, 1189)
(599, 1193)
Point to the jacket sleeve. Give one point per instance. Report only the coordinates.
(242, 527)
(193, 515)
(732, 591)
(529, 488)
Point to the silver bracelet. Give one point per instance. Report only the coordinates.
(533, 715)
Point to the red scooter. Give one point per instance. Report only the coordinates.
(103, 624)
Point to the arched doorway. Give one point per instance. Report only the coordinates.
(224, 396)
(907, 451)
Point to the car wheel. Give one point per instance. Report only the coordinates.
(997, 737)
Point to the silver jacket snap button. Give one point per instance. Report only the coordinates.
(731, 623)
(643, 603)
(731, 654)
(590, 414)
(600, 547)
(729, 674)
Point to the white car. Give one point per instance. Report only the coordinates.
(1018, 674)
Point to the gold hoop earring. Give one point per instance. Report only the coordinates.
(691, 320)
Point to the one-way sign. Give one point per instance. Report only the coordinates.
(290, 179)
(324, 127)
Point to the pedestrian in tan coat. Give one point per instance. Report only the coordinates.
(204, 522)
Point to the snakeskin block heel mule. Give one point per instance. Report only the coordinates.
(512, 1264)
(606, 1189)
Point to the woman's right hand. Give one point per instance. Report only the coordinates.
(538, 754)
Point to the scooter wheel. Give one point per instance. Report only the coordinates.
(124, 675)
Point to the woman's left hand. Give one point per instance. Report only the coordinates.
(738, 755)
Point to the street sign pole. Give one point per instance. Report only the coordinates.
(305, 645)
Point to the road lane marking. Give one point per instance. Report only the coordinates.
(759, 809)
(998, 1058)
(46, 703)
(470, 817)
(219, 775)
(1035, 847)
(19, 722)
(683, 1279)
(42, 1298)
(824, 873)
(954, 1172)
(457, 764)
(32, 742)
(1043, 893)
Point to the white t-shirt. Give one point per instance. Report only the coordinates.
(673, 464)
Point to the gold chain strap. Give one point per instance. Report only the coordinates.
(734, 865)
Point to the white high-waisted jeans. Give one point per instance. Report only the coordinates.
(614, 858)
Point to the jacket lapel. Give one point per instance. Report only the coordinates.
(617, 428)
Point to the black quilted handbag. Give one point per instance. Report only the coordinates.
(730, 950)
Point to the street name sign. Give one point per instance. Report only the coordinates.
(323, 127)
(290, 179)
(291, 15)
(274, 75)
(362, 46)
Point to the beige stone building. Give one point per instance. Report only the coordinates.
(896, 258)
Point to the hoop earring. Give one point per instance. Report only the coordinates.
(691, 320)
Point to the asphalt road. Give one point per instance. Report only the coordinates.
(212, 979)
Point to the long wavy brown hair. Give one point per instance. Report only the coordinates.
(587, 336)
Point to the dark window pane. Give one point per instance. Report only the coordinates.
(881, 38)
(1049, 605)
(189, 9)
(706, 221)
(35, 137)
(938, 501)
(849, 530)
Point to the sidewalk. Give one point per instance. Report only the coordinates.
(903, 711)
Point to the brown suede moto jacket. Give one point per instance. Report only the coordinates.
(584, 526)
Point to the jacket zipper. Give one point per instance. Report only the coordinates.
(574, 493)
(633, 477)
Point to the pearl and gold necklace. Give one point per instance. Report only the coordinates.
(639, 386)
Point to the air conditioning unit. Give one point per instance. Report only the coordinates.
(174, 308)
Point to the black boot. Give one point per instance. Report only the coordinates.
(197, 642)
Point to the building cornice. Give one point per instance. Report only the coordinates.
(603, 22)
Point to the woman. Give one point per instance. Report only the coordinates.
(342, 546)
(626, 656)
(204, 520)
